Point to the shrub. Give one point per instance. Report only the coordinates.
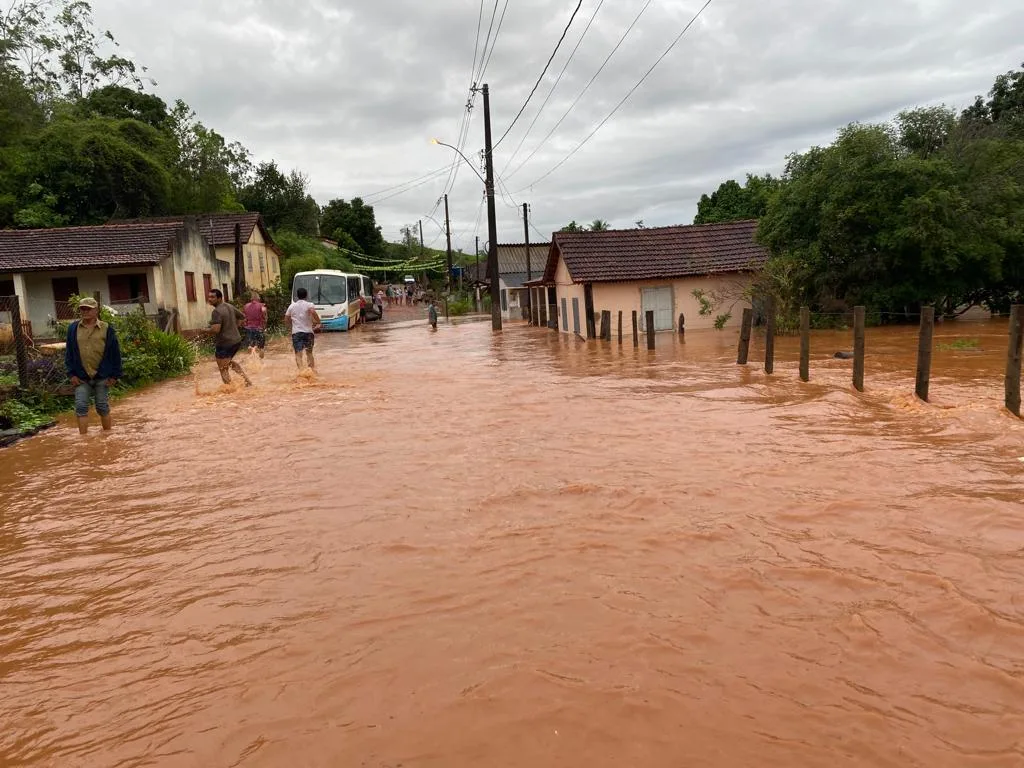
(460, 307)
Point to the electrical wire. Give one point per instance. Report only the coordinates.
(558, 79)
(631, 91)
(586, 88)
(483, 68)
(403, 191)
(539, 79)
(431, 174)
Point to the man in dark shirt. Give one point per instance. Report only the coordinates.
(227, 339)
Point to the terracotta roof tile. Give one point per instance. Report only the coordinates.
(656, 253)
(110, 245)
(221, 226)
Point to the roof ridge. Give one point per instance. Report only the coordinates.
(81, 227)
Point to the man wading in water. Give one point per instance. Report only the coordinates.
(302, 320)
(226, 340)
(256, 324)
(92, 358)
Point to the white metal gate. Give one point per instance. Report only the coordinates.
(660, 301)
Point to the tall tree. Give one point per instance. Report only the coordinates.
(732, 202)
(207, 170)
(357, 219)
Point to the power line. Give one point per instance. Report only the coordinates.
(553, 87)
(487, 41)
(632, 90)
(586, 88)
(435, 172)
(539, 79)
(483, 68)
(408, 188)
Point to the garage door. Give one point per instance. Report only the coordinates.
(658, 300)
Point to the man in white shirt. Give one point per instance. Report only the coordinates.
(302, 320)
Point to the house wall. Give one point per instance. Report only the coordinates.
(42, 310)
(627, 297)
(568, 290)
(191, 254)
(262, 266)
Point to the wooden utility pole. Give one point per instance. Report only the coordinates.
(1013, 356)
(620, 327)
(805, 344)
(419, 226)
(858, 348)
(606, 325)
(529, 271)
(769, 338)
(636, 334)
(448, 237)
(924, 353)
(492, 217)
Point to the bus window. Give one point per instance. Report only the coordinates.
(353, 287)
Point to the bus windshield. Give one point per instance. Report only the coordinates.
(323, 289)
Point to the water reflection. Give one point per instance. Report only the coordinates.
(465, 548)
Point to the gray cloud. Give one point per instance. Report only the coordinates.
(351, 91)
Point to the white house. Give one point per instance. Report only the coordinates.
(165, 265)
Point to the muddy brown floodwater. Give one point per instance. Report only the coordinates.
(460, 549)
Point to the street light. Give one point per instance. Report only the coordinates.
(459, 152)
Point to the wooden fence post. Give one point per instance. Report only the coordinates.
(858, 348)
(924, 352)
(606, 325)
(20, 352)
(649, 316)
(620, 327)
(682, 324)
(636, 333)
(1013, 356)
(769, 338)
(743, 353)
(805, 344)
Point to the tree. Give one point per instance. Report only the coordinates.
(282, 199)
(358, 220)
(924, 131)
(1005, 105)
(122, 103)
(572, 226)
(731, 202)
(206, 169)
(599, 225)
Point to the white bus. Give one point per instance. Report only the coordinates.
(335, 295)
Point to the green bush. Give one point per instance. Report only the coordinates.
(460, 307)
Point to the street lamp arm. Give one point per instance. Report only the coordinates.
(459, 152)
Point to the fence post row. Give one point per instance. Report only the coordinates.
(1013, 356)
(636, 333)
(924, 353)
(743, 353)
(805, 344)
(606, 325)
(858, 348)
(649, 316)
(769, 338)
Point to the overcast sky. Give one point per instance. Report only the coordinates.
(351, 91)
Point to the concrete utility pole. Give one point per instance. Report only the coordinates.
(448, 235)
(492, 217)
(529, 272)
(420, 225)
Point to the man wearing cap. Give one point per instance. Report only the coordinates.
(92, 357)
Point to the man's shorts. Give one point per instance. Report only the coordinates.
(255, 338)
(301, 341)
(227, 353)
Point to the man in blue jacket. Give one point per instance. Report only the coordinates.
(92, 357)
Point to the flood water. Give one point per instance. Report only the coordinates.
(462, 549)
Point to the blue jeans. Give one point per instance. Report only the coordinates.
(95, 389)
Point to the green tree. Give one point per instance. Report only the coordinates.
(1005, 105)
(282, 199)
(572, 226)
(122, 103)
(206, 169)
(599, 225)
(732, 202)
(358, 220)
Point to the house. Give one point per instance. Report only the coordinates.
(699, 272)
(517, 264)
(260, 254)
(164, 265)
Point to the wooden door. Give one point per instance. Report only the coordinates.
(63, 289)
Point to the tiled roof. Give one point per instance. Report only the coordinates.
(110, 245)
(656, 253)
(512, 257)
(217, 228)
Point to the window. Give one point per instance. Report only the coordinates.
(125, 289)
(224, 290)
(190, 286)
(248, 256)
(353, 288)
(207, 284)
(6, 287)
(263, 264)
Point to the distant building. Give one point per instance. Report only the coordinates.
(512, 274)
(166, 265)
(657, 269)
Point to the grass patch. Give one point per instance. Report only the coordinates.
(960, 345)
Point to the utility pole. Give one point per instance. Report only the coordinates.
(492, 217)
(529, 274)
(448, 235)
(476, 276)
(420, 225)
